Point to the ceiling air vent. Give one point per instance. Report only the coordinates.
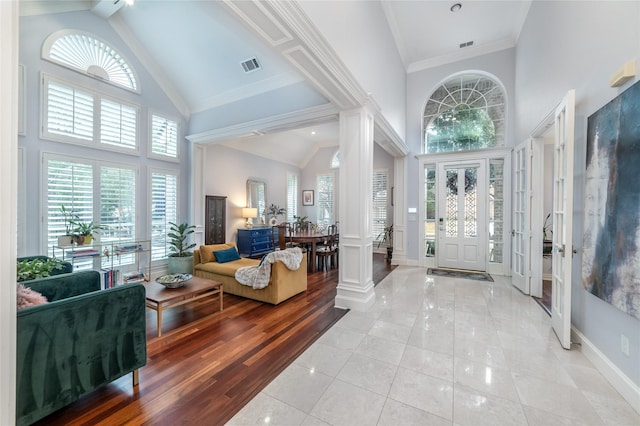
(251, 65)
(467, 44)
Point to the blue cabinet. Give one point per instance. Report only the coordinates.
(255, 241)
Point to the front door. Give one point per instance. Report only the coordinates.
(462, 234)
(562, 219)
(521, 247)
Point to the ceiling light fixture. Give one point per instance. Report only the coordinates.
(313, 133)
(456, 7)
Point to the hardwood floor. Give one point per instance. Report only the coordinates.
(209, 364)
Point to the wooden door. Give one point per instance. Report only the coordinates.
(215, 220)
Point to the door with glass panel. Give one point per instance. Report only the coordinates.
(462, 222)
(521, 247)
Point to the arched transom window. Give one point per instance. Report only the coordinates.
(86, 53)
(464, 113)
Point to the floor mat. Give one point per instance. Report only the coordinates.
(471, 275)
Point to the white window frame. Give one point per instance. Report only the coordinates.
(293, 193)
(96, 168)
(153, 171)
(317, 197)
(97, 105)
(157, 155)
(374, 227)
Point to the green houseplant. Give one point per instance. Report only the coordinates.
(36, 268)
(67, 238)
(83, 231)
(180, 260)
(274, 211)
(301, 222)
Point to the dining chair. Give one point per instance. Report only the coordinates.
(328, 250)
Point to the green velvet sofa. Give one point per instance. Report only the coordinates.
(83, 338)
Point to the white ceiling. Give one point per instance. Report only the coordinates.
(196, 49)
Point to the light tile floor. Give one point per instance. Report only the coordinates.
(440, 351)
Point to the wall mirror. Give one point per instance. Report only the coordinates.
(257, 197)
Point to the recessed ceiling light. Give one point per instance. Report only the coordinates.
(456, 7)
(313, 133)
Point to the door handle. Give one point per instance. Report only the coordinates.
(561, 250)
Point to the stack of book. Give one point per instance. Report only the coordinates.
(127, 248)
(110, 278)
(88, 252)
(133, 277)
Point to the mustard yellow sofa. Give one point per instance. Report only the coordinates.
(283, 284)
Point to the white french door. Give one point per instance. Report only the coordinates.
(462, 222)
(521, 247)
(562, 219)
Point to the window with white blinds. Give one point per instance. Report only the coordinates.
(292, 196)
(68, 112)
(325, 200)
(118, 124)
(71, 112)
(164, 209)
(379, 207)
(164, 137)
(118, 209)
(75, 184)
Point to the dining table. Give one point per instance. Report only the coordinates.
(304, 237)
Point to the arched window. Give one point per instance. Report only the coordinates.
(86, 53)
(335, 161)
(464, 113)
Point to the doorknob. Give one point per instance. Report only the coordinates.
(513, 232)
(561, 250)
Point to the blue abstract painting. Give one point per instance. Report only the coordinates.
(611, 257)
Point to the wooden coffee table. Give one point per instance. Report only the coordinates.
(160, 298)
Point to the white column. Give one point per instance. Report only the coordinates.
(9, 210)
(355, 285)
(399, 211)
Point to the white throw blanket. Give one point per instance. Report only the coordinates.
(258, 276)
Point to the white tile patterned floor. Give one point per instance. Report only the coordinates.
(440, 351)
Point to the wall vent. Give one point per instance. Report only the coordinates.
(251, 65)
(467, 44)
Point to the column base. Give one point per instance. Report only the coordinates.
(355, 297)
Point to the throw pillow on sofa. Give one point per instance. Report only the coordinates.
(227, 255)
(27, 297)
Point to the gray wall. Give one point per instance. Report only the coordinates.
(33, 32)
(578, 45)
(226, 171)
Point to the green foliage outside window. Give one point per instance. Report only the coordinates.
(461, 128)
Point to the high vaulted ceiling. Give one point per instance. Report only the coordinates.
(195, 49)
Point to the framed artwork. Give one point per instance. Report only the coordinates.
(307, 197)
(611, 257)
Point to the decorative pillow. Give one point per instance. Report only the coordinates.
(207, 252)
(227, 255)
(27, 297)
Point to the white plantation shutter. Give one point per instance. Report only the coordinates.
(164, 209)
(292, 196)
(164, 136)
(69, 112)
(325, 200)
(70, 184)
(117, 209)
(118, 124)
(379, 206)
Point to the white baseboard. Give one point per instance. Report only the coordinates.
(629, 390)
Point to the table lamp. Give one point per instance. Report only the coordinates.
(249, 213)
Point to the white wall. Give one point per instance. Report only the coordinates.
(420, 86)
(320, 164)
(33, 31)
(360, 34)
(226, 171)
(578, 45)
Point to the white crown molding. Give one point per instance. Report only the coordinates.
(275, 124)
(388, 138)
(152, 67)
(250, 90)
(395, 31)
(46, 7)
(285, 26)
(465, 53)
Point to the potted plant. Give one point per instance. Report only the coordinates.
(386, 237)
(180, 260)
(275, 211)
(84, 231)
(36, 268)
(301, 222)
(547, 236)
(67, 238)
